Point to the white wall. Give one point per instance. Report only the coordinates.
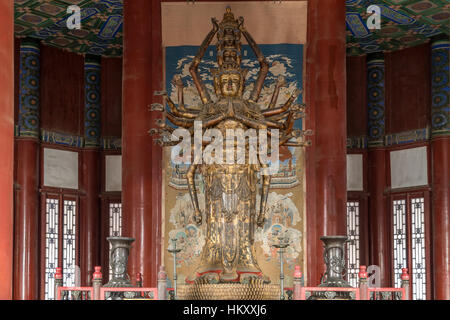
(60, 168)
(409, 167)
(355, 172)
(113, 164)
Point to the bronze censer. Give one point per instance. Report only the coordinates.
(334, 257)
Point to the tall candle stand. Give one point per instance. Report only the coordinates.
(283, 243)
(174, 250)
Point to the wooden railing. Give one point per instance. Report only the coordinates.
(97, 292)
(75, 293)
(363, 292)
(297, 292)
(129, 293)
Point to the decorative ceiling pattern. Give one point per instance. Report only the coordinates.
(404, 23)
(101, 24)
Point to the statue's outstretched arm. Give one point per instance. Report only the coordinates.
(193, 69)
(183, 114)
(258, 124)
(281, 82)
(207, 123)
(264, 65)
(279, 117)
(181, 122)
(283, 108)
(178, 82)
(193, 193)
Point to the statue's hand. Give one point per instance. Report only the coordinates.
(281, 81)
(198, 217)
(215, 23)
(177, 81)
(261, 220)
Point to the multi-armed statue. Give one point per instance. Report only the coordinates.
(230, 189)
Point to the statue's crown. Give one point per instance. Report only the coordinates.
(229, 43)
(228, 20)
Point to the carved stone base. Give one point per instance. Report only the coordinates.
(229, 291)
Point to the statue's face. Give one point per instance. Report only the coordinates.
(229, 84)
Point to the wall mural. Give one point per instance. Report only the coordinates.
(286, 196)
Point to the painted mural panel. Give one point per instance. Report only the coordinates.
(285, 206)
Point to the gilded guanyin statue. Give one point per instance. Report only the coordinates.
(231, 190)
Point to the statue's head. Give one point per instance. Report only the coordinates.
(229, 78)
(230, 83)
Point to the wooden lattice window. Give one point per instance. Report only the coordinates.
(115, 223)
(51, 245)
(354, 242)
(410, 242)
(60, 242)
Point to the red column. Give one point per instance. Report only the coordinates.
(141, 158)
(7, 146)
(157, 84)
(326, 101)
(440, 151)
(440, 148)
(380, 249)
(89, 215)
(26, 240)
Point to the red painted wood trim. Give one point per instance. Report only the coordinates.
(7, 147)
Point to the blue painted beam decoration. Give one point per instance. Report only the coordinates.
(440, 88)
(29, 88)
(92, 107)
(376, 103)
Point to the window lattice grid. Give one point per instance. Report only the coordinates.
(51, 246)
(418, 249)
(399, 235)
(69, 241)
(115, 223)
(353, 244)
(115, 219)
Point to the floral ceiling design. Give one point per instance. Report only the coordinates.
(404, 23)
(101, 25)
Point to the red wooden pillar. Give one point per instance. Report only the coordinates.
(379, 249)
(326, 101)
(379, 220)
(141, 158)
(90, 171)
(26, 240)
(440, 150)
(26, 225)
(89, 215)
(157, 153)
(441, 217)
(7, 146)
